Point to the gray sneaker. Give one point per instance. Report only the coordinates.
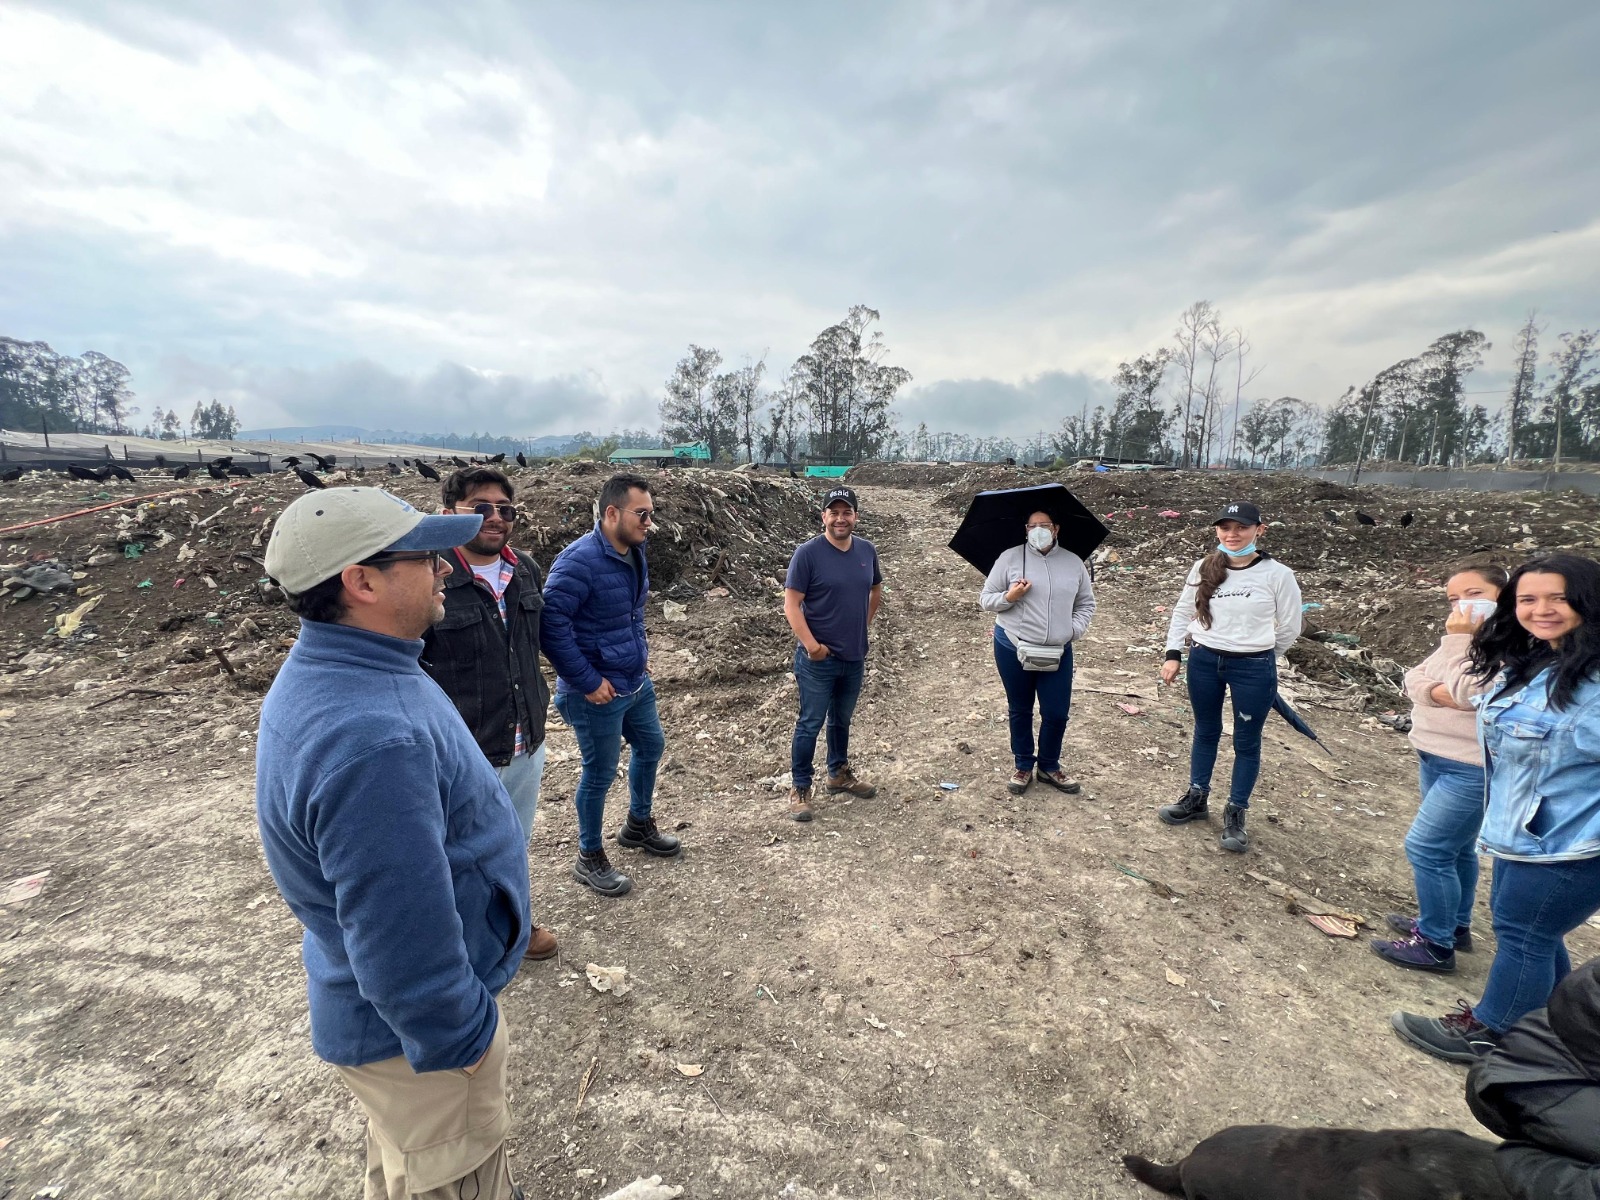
(595, 871)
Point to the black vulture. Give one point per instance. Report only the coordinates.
(457, 461)
(11, 476)
(161, 462)
(522, 460)
(498, 458)
(182, 472)
(85, 474)
(307, 478)
(426, 471)
(289, 460)
(323, 463)
(240, 472)
(1405, 521)
(215, 471)
(1364, 519)
(393, 469)
(114, 471)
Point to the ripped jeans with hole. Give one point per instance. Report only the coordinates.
(1251, 682)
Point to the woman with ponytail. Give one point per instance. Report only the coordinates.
(1240, 609)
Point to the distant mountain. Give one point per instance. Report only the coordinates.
(550, 444)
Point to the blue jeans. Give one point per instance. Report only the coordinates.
(1053, 691)
(1442, 845)
(600, 730)
(1535, 905)
(828, 693)
(522, 776)
(1253, 684)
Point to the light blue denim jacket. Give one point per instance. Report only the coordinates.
(1542, 773)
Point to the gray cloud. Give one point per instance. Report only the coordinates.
(575, 193)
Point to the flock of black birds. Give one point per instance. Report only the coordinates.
(223, 468)
(1364, 519)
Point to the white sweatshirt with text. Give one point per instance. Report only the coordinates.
(1255, 608)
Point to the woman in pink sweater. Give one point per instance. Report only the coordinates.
(1442, 843)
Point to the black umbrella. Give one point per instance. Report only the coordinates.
(1296, 721)
(995, 520)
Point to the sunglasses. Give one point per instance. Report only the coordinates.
(508, 512)
(431, 557)
(645, 515)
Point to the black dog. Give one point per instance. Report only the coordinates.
(1270, 1162)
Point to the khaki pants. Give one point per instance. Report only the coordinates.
(439, 1135)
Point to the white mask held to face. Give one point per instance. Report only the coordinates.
(1040, 538)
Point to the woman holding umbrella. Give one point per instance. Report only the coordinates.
(1239, 610)
(1043, 600)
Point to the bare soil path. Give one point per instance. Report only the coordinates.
(928, 993)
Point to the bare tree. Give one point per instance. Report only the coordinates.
(1241, 380)
(1519, 404)
(1199, 329)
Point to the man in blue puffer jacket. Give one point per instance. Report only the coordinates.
(593, 634)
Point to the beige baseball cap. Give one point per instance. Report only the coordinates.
(322, 533)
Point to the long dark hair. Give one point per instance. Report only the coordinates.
(1502, 644)
(1213, 570)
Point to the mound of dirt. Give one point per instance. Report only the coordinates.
(174, 585)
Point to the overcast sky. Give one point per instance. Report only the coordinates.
(516, 217)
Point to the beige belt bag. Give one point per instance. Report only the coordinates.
(1035, 657)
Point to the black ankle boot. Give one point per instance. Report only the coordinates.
(1234, 837)
(1192, 807)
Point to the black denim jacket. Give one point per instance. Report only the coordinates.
(488, 667)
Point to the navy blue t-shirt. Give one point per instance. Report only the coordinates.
(836, 585)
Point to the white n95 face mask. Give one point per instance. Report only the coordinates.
(1040, 538)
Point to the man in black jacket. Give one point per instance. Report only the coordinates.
(485, 653)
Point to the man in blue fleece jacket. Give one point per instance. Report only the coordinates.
(394, 843)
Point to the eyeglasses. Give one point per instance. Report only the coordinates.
(508, 512)
(645, 515)
(1047, 525)
(431, 557)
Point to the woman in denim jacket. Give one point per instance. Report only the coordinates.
(1540, 728)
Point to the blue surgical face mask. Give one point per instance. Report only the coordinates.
(1250, 549)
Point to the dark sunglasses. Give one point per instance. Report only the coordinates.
(431, 557)
(508, 512)
(645, 515)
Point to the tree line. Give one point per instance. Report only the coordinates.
(832, 404)
(42, 390)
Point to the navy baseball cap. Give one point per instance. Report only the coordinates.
(1245, 514)
(842, 493)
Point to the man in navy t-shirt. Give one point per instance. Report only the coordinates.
(830, 596)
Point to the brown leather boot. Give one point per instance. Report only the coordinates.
(800, 804)
(541, 944)
(846, 781)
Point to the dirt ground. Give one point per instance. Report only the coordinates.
(942, 990)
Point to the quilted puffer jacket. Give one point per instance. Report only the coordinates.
(1539, 1089)
(593, 622)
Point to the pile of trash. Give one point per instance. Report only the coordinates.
(178, 583)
